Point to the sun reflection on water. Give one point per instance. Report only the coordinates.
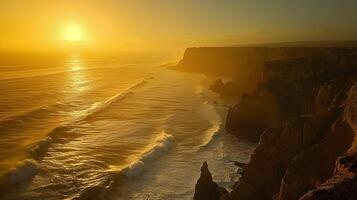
(77, 75)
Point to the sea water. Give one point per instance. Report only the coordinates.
(102, 128)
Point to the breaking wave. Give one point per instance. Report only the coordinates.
(108, 190)
(102, 105)
(28, 168)
(210, 112)
(211, 134)
(161, 145)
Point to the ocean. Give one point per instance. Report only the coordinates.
(102, 128)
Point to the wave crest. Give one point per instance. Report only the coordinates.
(102, 105)
(161, 145)
(211, 114)
(111, 188)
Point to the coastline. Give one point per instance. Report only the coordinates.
(309, 97)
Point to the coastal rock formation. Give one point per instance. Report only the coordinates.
(304, 115)
(205, 188)
(276, 150)
(299, 156)
(343, 183)
(288, 90)
(227, 88)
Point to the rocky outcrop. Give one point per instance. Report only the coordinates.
(227, 88)
(205, 188)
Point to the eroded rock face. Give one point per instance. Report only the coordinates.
(276, 150)
(343, 183)
(315, 165)
(313, 154)
(205, 188)
(289, 90)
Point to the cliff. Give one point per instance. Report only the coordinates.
(287, 90)
(301, 109)
(304, 115)
(244, 65)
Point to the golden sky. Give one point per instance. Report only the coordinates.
(170, 24)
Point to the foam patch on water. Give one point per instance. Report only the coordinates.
(161, 145)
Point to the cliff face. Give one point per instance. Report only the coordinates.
(304, 112)
(287, 90)
(243, 64)
(343, 183)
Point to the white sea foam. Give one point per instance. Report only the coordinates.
(210, 136)
(209, 111)
(161, 145)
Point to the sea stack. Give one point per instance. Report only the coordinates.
(205, 188)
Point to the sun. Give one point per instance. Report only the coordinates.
(73, 33)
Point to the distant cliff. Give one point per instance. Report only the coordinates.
(242, 64)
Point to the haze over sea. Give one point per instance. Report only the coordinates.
(103, 126)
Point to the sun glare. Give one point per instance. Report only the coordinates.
(73, 33)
